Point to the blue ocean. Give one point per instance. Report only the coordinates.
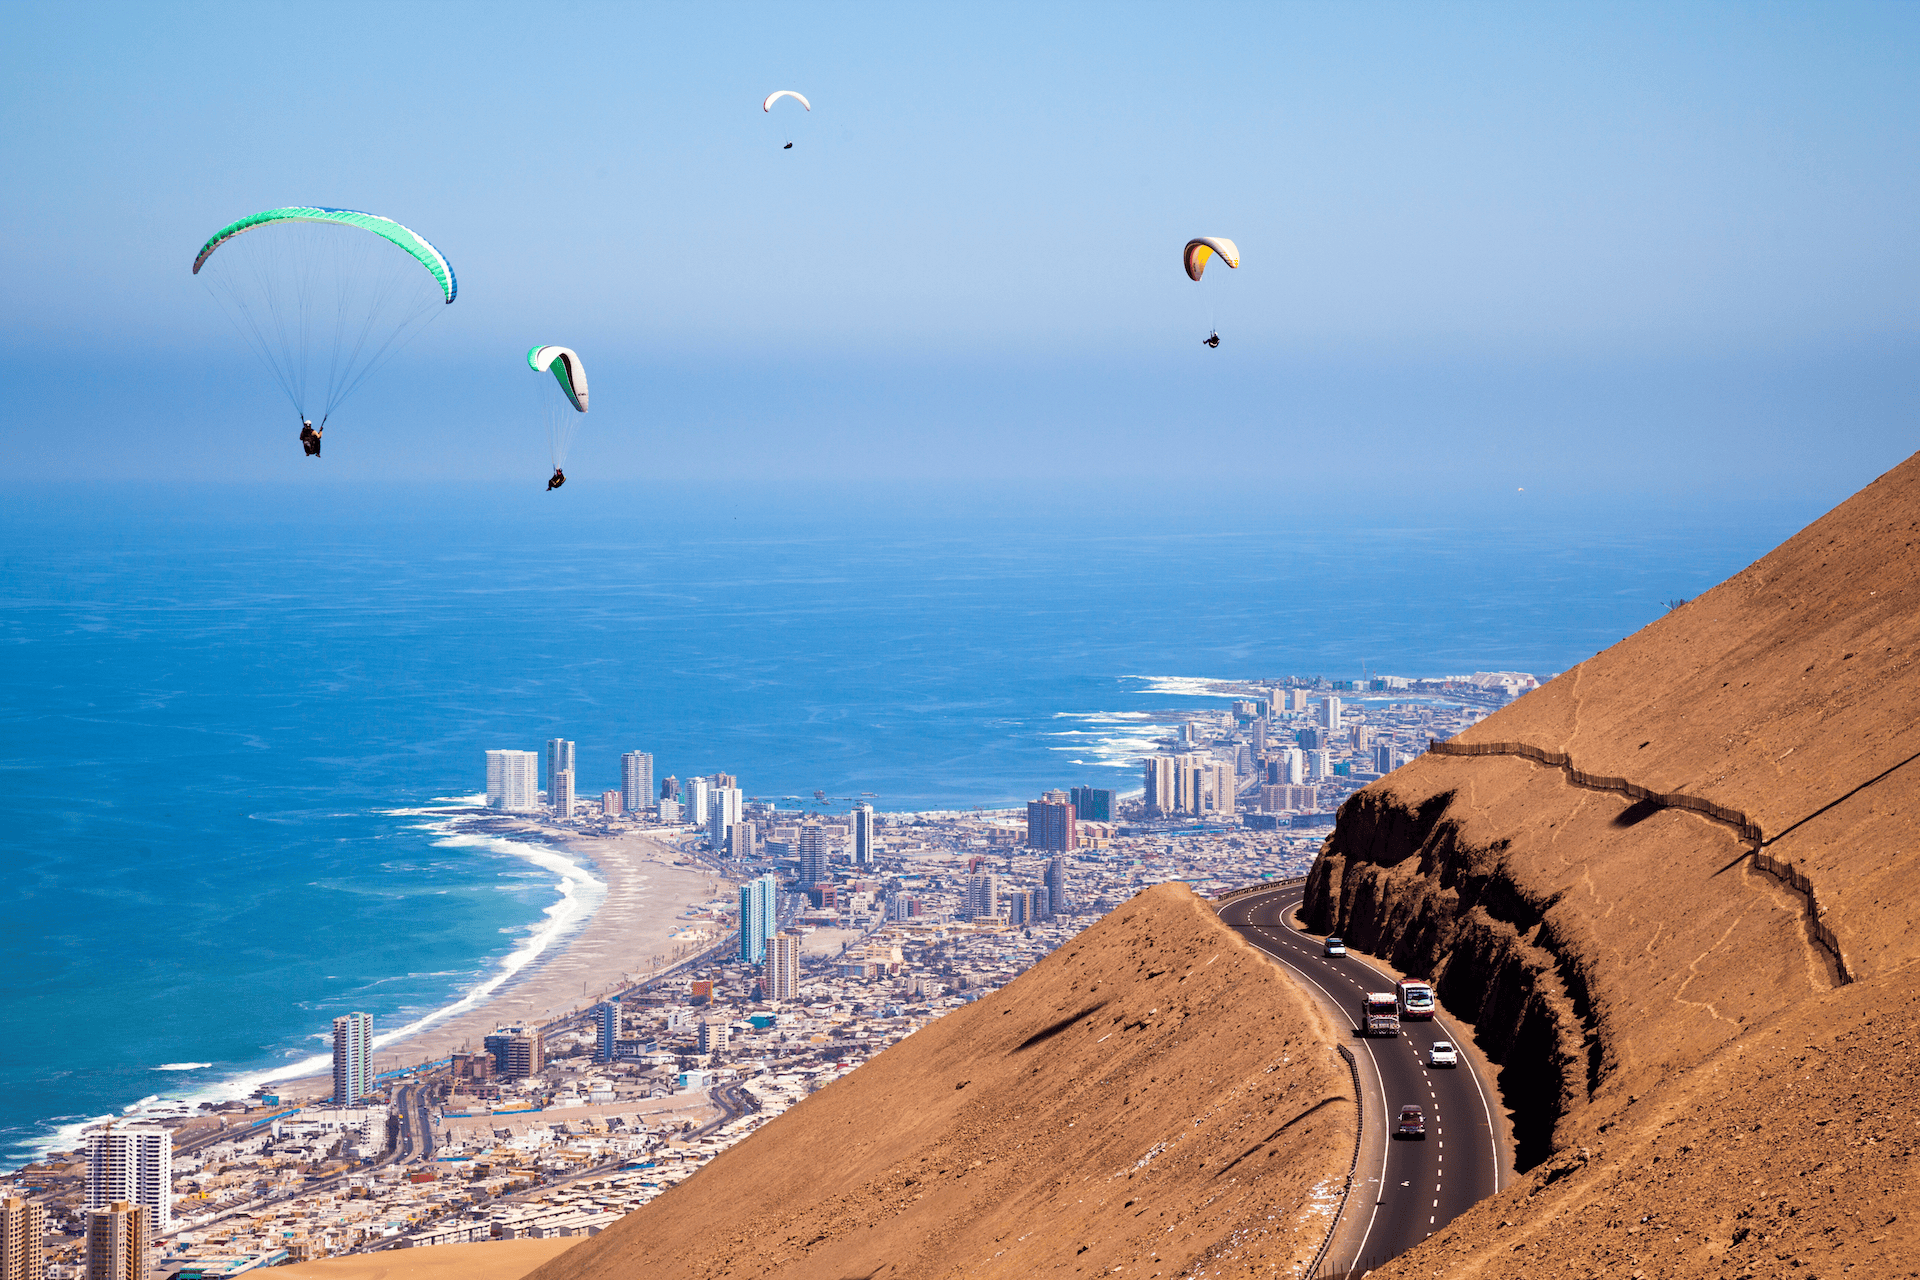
(229, 712)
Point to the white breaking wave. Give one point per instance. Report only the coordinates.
(1114, 740)
(1192, 686)
(580, 894)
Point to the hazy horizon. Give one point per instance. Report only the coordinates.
(1592, 254)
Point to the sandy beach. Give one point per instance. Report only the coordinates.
(637, 930)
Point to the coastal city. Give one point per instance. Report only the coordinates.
(829, 931)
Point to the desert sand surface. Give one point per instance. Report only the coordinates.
(498, 1260)
(1155, 1096)
(649, 883)
(1713, 1072)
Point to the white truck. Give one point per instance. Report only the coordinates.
(1379, 1014)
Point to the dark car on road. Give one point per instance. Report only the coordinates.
(1413, 1124)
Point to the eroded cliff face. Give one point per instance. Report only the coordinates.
(1579, 938)
(1681, 882)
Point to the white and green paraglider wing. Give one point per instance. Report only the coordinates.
(412, 242)
(564, 363)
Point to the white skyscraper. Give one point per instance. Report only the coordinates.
(1159, 779)
(636, 780)
(782, 974)
(1293, 767)
(759, 915)
(513, 780)
(983, 895)
(1220, 794)
(1296, 699)
(1330, 713)
(607, 1026)
(1319, 765)
(863, 835)
(352, 1058)
(559, 756)
(723, 815)
(694, 793)
(560, 793)
(135, 1165)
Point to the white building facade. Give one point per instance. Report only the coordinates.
(513, 780)
(134, 1165)
(636, 780)
(352, 1058)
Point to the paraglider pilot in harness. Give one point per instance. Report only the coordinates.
(310, 437)
(558, 478)
(1211, 340)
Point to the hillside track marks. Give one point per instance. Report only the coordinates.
(1819, 934)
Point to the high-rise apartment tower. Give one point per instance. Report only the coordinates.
(782, 974)
(694, 795)
(513, 780)
(606, 1022)
(1092, 804)
(136, 1165)
(759, 912)
(120, 1238)
(560, 793)
(559, 757)
(863, 835)
(636, 780)
(518, 1052)
(813, 855)
(23, 1239)
(1158, 776)
(1050, 822)
(352, 1058)
(983, 895)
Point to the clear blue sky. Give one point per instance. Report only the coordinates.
(1593, 250)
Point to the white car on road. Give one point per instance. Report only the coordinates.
(1442, 1055)
(1335, 947)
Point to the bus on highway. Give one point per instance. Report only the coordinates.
(1379, 1014)
(1416, 998)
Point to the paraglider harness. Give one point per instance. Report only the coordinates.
(557, 479)
(1211, 340)
(310, 435)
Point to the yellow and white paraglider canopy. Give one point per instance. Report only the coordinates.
(1200, 248)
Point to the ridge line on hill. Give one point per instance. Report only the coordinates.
(1745, 827)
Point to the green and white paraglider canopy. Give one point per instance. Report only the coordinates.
(561, 414)
(324, 296)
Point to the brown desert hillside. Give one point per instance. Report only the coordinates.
(1154, 1095)
(1675, 893)
(493, 1260)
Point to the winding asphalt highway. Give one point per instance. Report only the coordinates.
(1413, 1189)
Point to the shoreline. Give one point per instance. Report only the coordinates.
(628, 933)
(619, 905)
